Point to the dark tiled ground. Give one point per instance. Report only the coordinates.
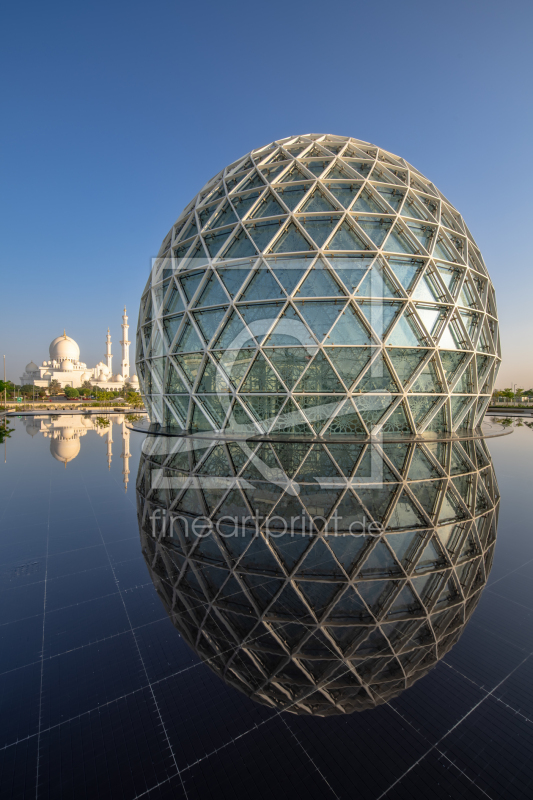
(101, 698)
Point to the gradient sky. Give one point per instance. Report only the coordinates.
(115, 115)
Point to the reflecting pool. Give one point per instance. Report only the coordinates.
(199, 618)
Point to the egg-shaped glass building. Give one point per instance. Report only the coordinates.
(318, 286)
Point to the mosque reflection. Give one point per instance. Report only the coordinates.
(250, 550)
(65, 432)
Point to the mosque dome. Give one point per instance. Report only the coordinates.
(320, 286)
(66, 365)
(31, 367)
(64, 347)
(118, 378)
(134, 380)
(66, 447)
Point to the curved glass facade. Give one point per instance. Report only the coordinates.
(318, 286)
(329, 594)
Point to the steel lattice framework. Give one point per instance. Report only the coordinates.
(319, 622)
(319, 285)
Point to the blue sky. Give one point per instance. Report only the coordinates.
(115, 115)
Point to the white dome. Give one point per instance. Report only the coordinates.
(118, 378)
(31, 367)
(45, 364)
(64, 347)
(134, 379)
(64, 449)
(66, 365)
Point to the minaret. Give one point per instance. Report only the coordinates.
(109, 444)
(108, 355)
(126, 455)
(125, 368)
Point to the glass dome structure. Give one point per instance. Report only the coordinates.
(318, 286)
(324, 615)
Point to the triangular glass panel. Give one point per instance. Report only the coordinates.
(421, 406)
(293, 175)
(338, 172)
(189, 341)
(375, 229)
(405, 333)
(438, 424)
(234, 334)
(180, 406)
(346, 455)
(451, 362)
(199, 422)
(346, 423)
(244, 203)
(318, 409)
(261, 377)
(397, 422)
(253, 182)
(262, 232)
(376, 284)
(170, 326)
(174, 384)
(377, 500)
(348, 361)
(428, 380)
(235, 363)
(318, 595)
(458, 405)
(213, 294)
(190, 364)
(319, 316)
(292, 195)
(317, 167)
(240, 247)
(226, 216)
(378, 378)
(289, 362)
(290, 330)
(317, 463)
(291, 420)
(394, 197)
(350, 269)
(344, 192)
(260, 317)
(174, 303)
(431, 558)
(426, 492)
(372, 408)
(367, 203)
(268, 207)
(288, 271)
(217, 407)
(318, 227)
(397, 242)
(190, 284)
(317, 202)
(213, 380)
(405, 362)
(421, 467)
(290, 551)
(423, 233)
(349, 330)
(319, 377)
(208, 321)
(319, 283)
(380, 315)
(405, 604)
(262, 287)
(405, 545)
(347, 239)
(380, 563)
(233, 278)
(406, 270)
(291, 240)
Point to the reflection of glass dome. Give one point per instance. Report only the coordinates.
(319, 265)
(317, 622)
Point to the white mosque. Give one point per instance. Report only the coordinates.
(65, 366)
